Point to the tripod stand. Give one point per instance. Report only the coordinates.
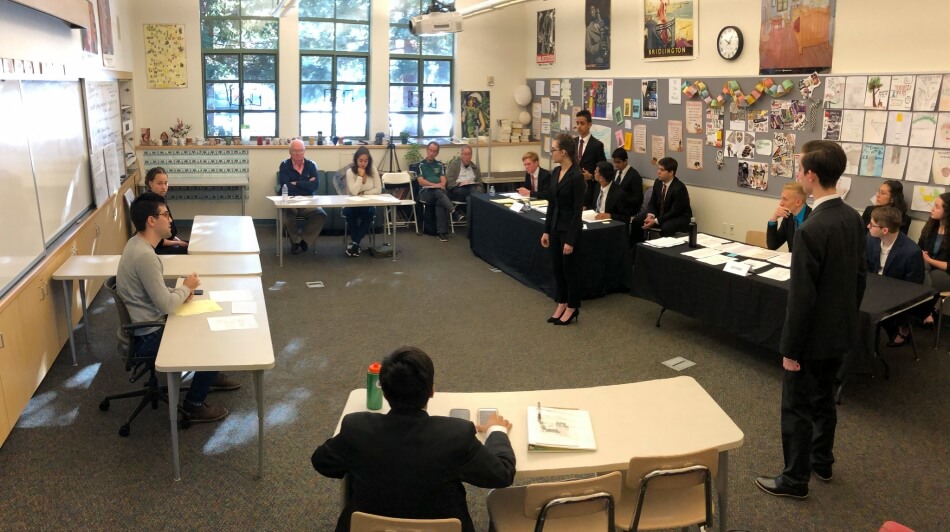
(390, 158)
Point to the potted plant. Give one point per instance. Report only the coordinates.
(413, 154)
(404, 137)
(179, 130)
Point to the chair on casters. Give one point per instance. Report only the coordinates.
(662, 492)
(400, 185)
(151, 392)
(585, 505)
(362, 522)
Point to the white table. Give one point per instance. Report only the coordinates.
(188, 344)
(100, 267)
(222, 234)
(330, 202)
(650, 418)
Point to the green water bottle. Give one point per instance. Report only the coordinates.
(374, 394)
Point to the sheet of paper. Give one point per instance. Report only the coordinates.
(716, 260)
(736, 247)
(589, 216)
(852, 125)
(709, 241)
(231, 295)
(503, 201)
(924, 197)
(895, 159)
(942, 140)
(244, 307)
(197, 306)
(918, 165)
(874, 124)
(230, 323)
(539, 88)
(694, 117)
(357, 199)
(512, 195)
(779, 274)
(855, 88)
(667, 242)
(782, 259)
(761, 253)
(676, 95)
(755, 264)
(923, 128)
(700, 253)
(927, 90)
(940, 171)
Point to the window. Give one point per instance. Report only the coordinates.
(334, 66)
(420, 76)
(239, 51)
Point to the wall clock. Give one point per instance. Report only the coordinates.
(729, 43)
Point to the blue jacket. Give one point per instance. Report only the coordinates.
(905, 260)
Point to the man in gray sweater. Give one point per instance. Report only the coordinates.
(141, 284)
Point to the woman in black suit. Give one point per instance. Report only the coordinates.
(935, 244)
(891, 192)
(156, 180)
(562, 227)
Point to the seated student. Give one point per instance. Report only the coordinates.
(156, 180)
(891, 192)
(537, 180)
(792, 210)
(629, 180)
(462, 177)
(669, 207)
(361, 179)
(610, 201)
(408, 464)
(891, 253)
(935, 246)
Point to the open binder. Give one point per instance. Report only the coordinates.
(559, 429)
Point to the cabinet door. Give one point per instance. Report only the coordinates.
(15, 393)
(41, 302)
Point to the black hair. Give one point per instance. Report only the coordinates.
(586, 114)
(406, 377)
(826, 159)
(566, 142)
(619, 153)
(144, 206)
(362, 150)
(153, 173)
(606, 171)
(669, 164)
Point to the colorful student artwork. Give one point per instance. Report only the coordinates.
(878, 89)
(783, 155)
(650, 98)
(872, 160)
(740, 144)
(791, 115)
(924, 197)
(597, 96)
(732, 90)
(807, 85)
(834, 92)
(831, 125)
(165, 56)
(753, 175)
(902, 92)
(941, 167)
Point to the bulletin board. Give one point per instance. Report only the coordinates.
(892, 126)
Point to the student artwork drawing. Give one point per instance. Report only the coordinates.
(877, 92)
(895, 158)
(834, 92)
(740, 144)
(940, 170)
(942, 138)
(902, 92)
(925, 196)
(753, 175)
(831, 125)
(650, 98)
(928, 89)
(872, 160)
(545, 54)
(923, 129)
(853, 153)
(918, 165)
(758, 120)
(783, 153)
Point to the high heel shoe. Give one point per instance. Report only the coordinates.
(553, 319)
(569, 320)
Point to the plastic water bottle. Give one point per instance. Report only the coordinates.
(491, 190)
(283, 194)
(374, 394)
(693, 233)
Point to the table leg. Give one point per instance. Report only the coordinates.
(67, 290)
(174, 383)
(259, 392)
(393, 214)
(280, 242)
(243, 199)
(82, 299)
(722, 486)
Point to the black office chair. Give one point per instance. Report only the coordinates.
(140, 366)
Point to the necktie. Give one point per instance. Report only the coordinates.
(600, 202)
(662, 200)
(580, 148)
(534, 181)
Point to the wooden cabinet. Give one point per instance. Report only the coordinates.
(9, 353)
(42, 336)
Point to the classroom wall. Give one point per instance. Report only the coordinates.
(866, 40)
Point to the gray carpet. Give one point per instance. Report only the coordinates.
(64, 466)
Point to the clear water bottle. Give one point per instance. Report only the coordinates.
(283, 194)
(491, 190)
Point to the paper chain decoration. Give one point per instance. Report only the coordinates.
(731, 88)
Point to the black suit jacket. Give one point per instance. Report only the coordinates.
(677, 211)
(544, 182)
(593, 154)
(566, 204)
(632, 184)
(904, 261)
(784, 231)
(827, 283)
(927, 242)
(617, 203)
(411, 465)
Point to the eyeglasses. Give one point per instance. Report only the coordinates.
(166, 214)
(883, 192)
(874, 225)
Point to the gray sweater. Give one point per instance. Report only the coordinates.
(141, 284)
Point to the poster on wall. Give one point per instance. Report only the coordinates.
(90, 37)
(165, 56)
(545, 48)
(649, 97)
(597, 35)
(105, 33)
(796, 37)
(597, 96)
(669, 27)
(476, 113)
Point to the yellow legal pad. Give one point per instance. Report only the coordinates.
(200, 306)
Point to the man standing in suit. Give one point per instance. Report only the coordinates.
(793, 211)
(827, 284)
(408, 464)
(537, 180)
(589, 150)
(890, 253)
(669, 207)
(628, 179)
(611, 201)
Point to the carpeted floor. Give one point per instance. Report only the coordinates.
(64, 466)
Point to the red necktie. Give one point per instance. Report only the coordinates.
(580, 148)
(662, 200)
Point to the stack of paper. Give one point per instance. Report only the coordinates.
(559, 429)
(701, 253)
(589, 216)
(782, 259)
(709, 241)
(666, 241)
(779, 274)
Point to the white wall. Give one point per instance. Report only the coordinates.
(869, 36)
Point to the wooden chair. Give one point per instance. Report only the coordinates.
(362, 522)
(756, 238)
(585, 505)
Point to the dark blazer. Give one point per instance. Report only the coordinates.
(784, 231)
(593, 154)
(828, 275)
(617, 203)
(411, 465)
(904, 261)
(632, 184)
(304, 186)
(866, 216)
(566, 204)
(677, 210)
(544, 182)
(926, 243)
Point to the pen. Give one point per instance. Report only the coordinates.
(539, 411)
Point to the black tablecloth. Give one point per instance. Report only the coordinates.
(752, 307)
(511, 242)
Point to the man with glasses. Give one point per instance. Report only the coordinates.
(141, 285)
(300, 176)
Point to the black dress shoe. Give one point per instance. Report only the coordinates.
(771, 486)
(303, 245)
(295, 249)
(823, 473)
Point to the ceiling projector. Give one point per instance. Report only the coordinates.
(436, 23)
